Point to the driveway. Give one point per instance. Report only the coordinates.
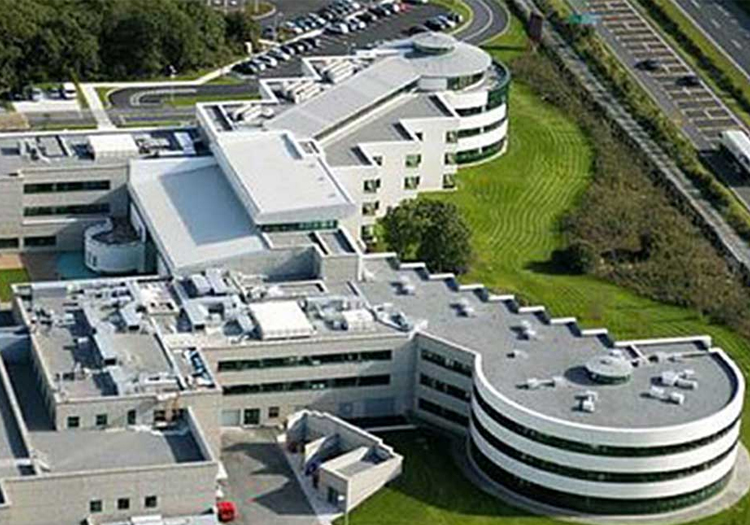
(261, 483)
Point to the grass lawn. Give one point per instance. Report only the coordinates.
(103, 94)
(709, 49)
(8, 277)
(513, 205)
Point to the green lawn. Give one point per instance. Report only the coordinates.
(8, 277)
(513, 205)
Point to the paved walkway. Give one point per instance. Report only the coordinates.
(96, 107)
(732, 493)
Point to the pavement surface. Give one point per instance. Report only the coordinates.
(261, 482)
(724, 23)
(695, 108)
(148, 103)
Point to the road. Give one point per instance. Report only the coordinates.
(724, 23)
(490, 19)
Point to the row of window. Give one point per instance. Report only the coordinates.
(477, 154)
(149, 502)
(442, 412)
(589, 448)
(70, 209)
(60, 187)
(29, 242)
(592, 475)
(446, 362)
(373, 185)
(459, 83)
(300, 226)
(445, 388)
(588, 504)
(131, 418)
(236, 365)
(481, 129)
(311, 384)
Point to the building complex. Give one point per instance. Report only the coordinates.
(256, 305)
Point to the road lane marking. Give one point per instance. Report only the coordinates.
(716, 24)
(736, 44)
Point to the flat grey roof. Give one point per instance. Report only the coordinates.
(342, 149)
(192, 212)
(455, 59)
(278, 181)
(557, 350)
(82, 450)
(353, 95)
(71, 150)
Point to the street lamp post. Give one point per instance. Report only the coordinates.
(172, 74)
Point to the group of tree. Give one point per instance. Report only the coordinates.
(57, 40)
(626, 229)
(431, 231)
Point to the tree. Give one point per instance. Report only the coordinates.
(241, 28)
(432, 231)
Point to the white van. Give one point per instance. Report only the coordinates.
(736, 144)
(68, 91)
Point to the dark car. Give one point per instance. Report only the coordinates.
(689, 81)
(650, 64)
(434, 25)
(415, 30)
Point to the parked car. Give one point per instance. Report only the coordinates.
(415, 30)
(649, 64)
(456, 17)
(268, 60)
(689, 81)
(434, 25)
(338, 28)
(288, 49)
(313, 42)
(279, 55)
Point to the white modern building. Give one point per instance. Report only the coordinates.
(260, 303)
(336, 146)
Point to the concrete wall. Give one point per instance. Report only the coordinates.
(67, 230)
(395, 398)
(64, 498)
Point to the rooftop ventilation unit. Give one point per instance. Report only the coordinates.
(407, 288)
(130, 316)
(216, 280)
(246, 323)
(465, 308)
(528, 331)
(338, 71)
(587, 401)
(196, 314)
(200, 285)
(358, 320)
(679, 379)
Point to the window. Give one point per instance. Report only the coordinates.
(449, 181)
(419, 135)
(413, 160)
(160, 416)
(123, 503)
(101, 420)
(378, 159)
(151, 502)
(442, 412)
(469, 132)
(273, 412)
(236, 365)
(316, 384)
(8, 243)
(96, 506)
(411, 183)
(370, 208)
(445, 388)
(446, 362)
(451, 137)
(37, 242)
(372, 185)
(74, 422)
(132, 417)
(251, 416)
(72, 209)
(450, 158)
(300, 226)
(49, 187)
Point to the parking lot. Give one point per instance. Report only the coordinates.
(661, 68)
(395, 26)
(261, 483)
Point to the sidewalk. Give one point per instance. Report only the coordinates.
(96, 107)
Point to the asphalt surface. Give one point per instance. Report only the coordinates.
(724, 23)
(260, 481)
(488, 20)
(696, 109)
(150, 106)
